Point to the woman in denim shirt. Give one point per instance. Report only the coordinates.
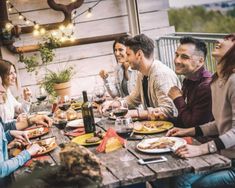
(125, 77)
(7, 166)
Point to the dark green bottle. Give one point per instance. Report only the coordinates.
(87, 114)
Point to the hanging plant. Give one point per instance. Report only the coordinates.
(46, 53)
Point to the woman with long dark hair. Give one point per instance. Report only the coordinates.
(223, 109)
(11, 106)
(125, 78)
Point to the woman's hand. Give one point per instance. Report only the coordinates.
(103, 74)
(181, 132)
(27, 94)
(188, 151)
(34, 149)
(20, 135)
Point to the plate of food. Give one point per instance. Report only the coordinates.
(151, 127)
(89, 139)
(47, 144)
(76, 105)
(160, 145)
(79, 122)
(36, 132)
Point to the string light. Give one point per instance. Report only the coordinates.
(89, 14)
(66, 31)
(9, 26)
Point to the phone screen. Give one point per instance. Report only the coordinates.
(152, 159)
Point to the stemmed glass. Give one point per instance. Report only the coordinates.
(41, 95)
(119, 108)
(61, 118)
(99, 94)
(124, 128)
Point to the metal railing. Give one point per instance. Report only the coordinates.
(167, 45)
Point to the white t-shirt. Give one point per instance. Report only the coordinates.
(12, 107)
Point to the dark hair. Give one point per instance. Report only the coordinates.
(121, 40)
(227, 61)
(141, 42)
(5, 68)
(200, 45)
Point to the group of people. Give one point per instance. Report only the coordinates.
(203, 106)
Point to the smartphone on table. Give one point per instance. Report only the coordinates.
(152, 160)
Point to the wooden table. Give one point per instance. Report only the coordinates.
(117, 173)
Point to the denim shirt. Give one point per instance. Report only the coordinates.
(7, 165)
(116, 90)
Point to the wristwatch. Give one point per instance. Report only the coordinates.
(211, 147)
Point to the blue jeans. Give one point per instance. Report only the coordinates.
(217, 179)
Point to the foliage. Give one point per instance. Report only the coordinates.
(46, 52)
(52, 78)
(231, 13)
(198, 19)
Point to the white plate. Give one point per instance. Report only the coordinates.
(79, 122)
(178, 143)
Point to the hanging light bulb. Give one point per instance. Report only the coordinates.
(74, 14)
(42, 31)
(35, 32)
(8, 26)
(10, 8)
(89, 14)
(36, 26)
(54, 33)
(62, 27)
(70, 26)
(27, 22)
(20, 16)
(7, 1)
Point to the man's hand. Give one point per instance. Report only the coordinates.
(41, 120)
(174, 92)
(181, 132)
(103, 74)
(188, 151)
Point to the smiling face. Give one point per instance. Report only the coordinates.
(11, 78)
(133, 59)
(187, 60)
(221, 48)
(120, 53)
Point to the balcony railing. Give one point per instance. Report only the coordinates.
(167, 45)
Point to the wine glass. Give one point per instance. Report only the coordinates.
(119, 108)
(99, 94)
(41, 95)
(124, 128)
(63, 102)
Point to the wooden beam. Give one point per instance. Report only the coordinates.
(82, 41)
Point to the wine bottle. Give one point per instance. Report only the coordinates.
(87, 114)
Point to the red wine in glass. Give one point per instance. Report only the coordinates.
(120, 112)
(125, 132)
(64, 106)
(41, 98)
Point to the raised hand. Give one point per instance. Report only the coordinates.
(103, 74)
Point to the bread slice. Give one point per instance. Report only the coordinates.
(112, 144)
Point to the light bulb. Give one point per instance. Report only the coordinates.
(8, 26)
(89, 14)
(42, 31)
(35, 32)
(62, 27)
(70, 26)
(21, 17)
(36, 26)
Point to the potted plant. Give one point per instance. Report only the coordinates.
(58, 83)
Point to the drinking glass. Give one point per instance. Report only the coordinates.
(124, 128)
(41, 95)
(119, 108)
(99, 94)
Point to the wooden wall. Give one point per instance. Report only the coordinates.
(109, 17)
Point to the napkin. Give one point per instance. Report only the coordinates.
(110, 142)
(188, 139)
(76, 132)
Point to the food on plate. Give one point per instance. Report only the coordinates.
(46, 144)
(76, 105)
(70, 114)
(150, 126)
(161, 143)
(93, 139)
(35, 132)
